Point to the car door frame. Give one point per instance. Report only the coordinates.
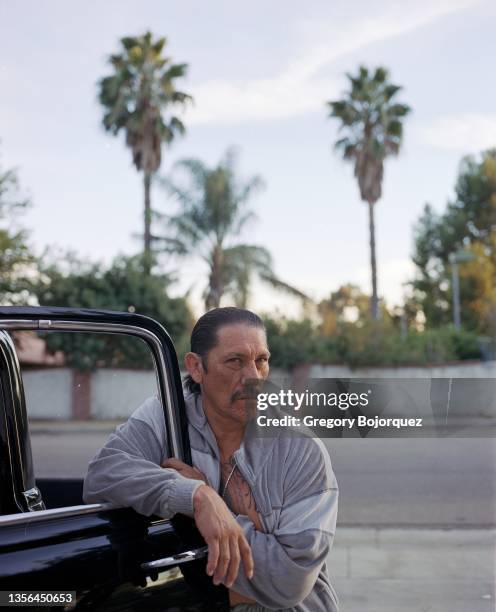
(97, 519)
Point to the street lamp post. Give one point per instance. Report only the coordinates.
(455, 289)
(455, 259)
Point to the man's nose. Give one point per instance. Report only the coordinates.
(251, 372)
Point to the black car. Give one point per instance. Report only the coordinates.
(112, 558)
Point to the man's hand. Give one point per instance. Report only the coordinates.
(184, 469)
(226, 541)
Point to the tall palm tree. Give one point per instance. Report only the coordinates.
(213, 213)
(135, 97)
(371, 121)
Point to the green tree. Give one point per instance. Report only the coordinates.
(296, 342)
(15, 257)
(431, 286)
(347, 302)
(479, 276)
(468, 223)
(136, 97)
(213, 213)
(370, 343)
(371, 120)
(122, 286)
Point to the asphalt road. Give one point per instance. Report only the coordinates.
(416, 482)
(447, 482)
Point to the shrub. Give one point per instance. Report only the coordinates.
(371, 343)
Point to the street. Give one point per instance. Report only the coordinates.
(436, 482)
(443, 482)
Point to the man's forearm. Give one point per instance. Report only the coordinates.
(126, 472)
(227, 544)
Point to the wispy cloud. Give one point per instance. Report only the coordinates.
(463, 133)
(299, 88)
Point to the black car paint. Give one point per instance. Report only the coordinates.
(95, 553)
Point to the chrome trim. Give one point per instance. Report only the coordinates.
(55, 513)
(184, 557)
(116, 328)
(34, 500)
(20, 457)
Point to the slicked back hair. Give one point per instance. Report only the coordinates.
(204, 336)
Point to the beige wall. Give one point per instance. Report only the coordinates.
(115, 394)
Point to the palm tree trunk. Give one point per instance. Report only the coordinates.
(216, 286)
(147, 251)
(374, 302)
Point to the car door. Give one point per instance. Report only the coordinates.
(112, 558)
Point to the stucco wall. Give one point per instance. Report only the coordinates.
(452, 370)
(414, 390)
(115, 394)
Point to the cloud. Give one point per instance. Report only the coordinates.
(299, 88)
(462, 133)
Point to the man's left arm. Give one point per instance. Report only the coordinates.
(288, 561)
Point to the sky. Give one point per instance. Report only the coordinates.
(260, 74)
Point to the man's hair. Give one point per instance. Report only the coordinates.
(204, 335)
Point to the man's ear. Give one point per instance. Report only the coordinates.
(193, 364)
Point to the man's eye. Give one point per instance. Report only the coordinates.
(262, 360)
(235, 360)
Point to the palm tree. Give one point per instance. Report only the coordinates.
(371, 120)
(134, 98)
(213, 212)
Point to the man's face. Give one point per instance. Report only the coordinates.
(240, 357)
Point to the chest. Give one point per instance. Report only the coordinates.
(237, 493)
(260, 499)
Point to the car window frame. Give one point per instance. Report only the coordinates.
(39, 322)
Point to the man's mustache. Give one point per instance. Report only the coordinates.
(249, 392)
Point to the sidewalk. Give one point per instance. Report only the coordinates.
(52, 427)
(414, 570)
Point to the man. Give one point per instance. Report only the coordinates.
(266, 507)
